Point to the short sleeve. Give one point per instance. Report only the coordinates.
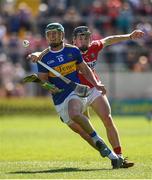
(97, 45)
(78, 55)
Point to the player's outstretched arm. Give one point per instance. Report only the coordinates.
(136, 34)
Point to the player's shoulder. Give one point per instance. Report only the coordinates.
(43, 53)
(70, 46)
(96, 43)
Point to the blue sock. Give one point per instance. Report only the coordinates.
(95, 137)
(93, 134)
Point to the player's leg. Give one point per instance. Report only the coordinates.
(115, 161)
(102, 108)
(71, 110)
(75, 113)
(79, 130)
(86, 113)
(75, 109)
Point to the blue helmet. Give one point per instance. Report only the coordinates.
(54, 26)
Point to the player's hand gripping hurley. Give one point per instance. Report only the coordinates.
(46, 85)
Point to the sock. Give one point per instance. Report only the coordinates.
(95, 137)
(120, 155)
(118, 151)
(112, 155)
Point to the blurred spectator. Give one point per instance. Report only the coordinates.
(141, 65)
(124, 20)
(71, 19)
(13, 48)
(25, 16)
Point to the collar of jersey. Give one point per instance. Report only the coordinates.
(56, 51)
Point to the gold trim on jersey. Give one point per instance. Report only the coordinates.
(64, 69)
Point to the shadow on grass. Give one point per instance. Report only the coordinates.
(58, 171)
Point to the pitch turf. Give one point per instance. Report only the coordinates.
(43, 147)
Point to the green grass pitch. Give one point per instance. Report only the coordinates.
(42, 147)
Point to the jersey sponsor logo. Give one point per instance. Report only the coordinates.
(50, 62)
(92, 64)
(65, 69)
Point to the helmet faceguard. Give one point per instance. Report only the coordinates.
(81, 30)
(54, 27)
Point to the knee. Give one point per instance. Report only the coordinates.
(75, 116)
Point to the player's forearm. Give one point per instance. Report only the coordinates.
(88, 74)
(116, 39)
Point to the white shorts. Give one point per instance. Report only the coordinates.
(62, 109)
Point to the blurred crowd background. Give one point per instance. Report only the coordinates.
(26, 19)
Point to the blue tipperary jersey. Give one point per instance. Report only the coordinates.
(64, 61)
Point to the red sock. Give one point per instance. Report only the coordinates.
(117, 150)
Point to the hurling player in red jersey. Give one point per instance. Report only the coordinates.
(90, 50)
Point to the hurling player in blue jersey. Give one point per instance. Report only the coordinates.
(67, 60)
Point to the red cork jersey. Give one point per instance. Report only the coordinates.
(90, 57)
